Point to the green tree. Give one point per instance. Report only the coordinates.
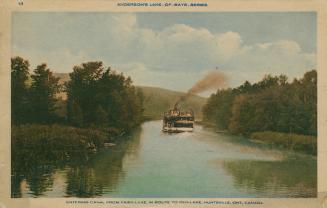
(19, 90)
(218, 109)
(105, 97)
(75, 114)
(43, 90)
(101, 116)
(272, 104)
(82, 90)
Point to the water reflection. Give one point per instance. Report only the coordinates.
(86, 175)
(34, 166)
(149, 163)
(102, 173)
(286, 178)
(39, 180)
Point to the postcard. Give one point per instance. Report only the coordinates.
(163, 103)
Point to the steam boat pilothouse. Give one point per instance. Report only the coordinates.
(175, 121)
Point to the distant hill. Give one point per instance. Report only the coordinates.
(157, 100)
(64, 77)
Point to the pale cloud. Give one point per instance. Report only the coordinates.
(186, 47)
(172, 57)
(290, 47)
(123, 27)
(58, 61)
(144, 76)
(281, 57)
(229, 44)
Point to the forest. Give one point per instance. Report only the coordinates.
(96, 96)
(100, 102)
(272, 109)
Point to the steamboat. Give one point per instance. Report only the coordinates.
(175, 121)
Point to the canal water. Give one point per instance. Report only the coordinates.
(150, 163)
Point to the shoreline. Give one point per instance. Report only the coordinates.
(306, 144)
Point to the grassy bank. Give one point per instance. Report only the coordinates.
(303, 143)
(56, 138)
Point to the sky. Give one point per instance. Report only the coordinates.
(170, 50)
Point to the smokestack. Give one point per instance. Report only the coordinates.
(212, 81)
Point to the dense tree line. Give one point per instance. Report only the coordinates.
(96, 97)
(32, 96)
(272, 104)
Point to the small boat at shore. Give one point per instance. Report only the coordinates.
(108, 144)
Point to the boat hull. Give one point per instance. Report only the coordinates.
(177, 129)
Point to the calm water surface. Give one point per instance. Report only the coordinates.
(150, 163)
